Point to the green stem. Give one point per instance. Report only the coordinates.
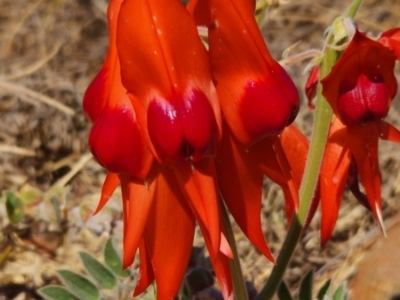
(311, 173)
(239, 287)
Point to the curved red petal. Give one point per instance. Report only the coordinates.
(249, 80)
(389, 132)
(200, 11)
(311, 86)
(363, 143)
(174, 58)
(169, 235)
(333, 177)
(117, 143)
(137, 199)
(96, 95)
(220, 263)
(110, 184)
(106, 88)
(171, 78)
(241, 184)
(270, 156)
(146, 273)
(198, 184)
(295, 146)
(391, 39)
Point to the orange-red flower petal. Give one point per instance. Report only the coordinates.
(391, 39)
(165, 65)
(334, 170)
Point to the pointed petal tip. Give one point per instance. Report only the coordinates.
(225, 248)
(379, 219)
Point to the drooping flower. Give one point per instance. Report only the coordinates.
(155, 92)
(115, 139)
(360, 89)
(259, 101)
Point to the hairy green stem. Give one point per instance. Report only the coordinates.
(311, 173)
(239, 287)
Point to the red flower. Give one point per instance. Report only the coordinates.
(360, 89)
(156, 93)
(258, 100)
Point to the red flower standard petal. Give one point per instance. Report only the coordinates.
(171, 78)
(257, 96)
(106, 87)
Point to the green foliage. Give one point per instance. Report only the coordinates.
(55, 292)
(306, 289)
(113, 260)
(323, 290)
(80, 285)
(340, 293)
(305, 292)
(15, 208)
(283, 292)
(103, 276)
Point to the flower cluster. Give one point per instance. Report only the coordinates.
(360, 89)
(177, 126)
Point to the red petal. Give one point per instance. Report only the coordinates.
(184, 130)
(363, 143)
(295, 146)
(110, 184)
(96, 95)
(272, 159)
(334, 170)
(311, 85)
(106, 88)
(169, 235)
(174, 58)
(197, 182)
(146, 274)
(391, 39)
(242, 65)
(171, 78)
(137, 199)
(389, 132)
(200, 10)
(220, 263)
(116, 141)
(241, 184)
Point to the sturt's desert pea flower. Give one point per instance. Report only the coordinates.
(155, 93)
(115, 139)
(360, 89)
(259, 102)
